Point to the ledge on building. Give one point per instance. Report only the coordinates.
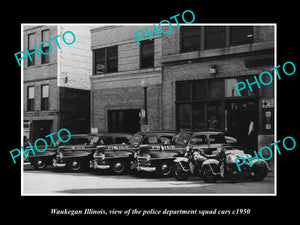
(218, 52)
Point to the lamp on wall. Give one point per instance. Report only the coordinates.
(213, 70)
(145, 84)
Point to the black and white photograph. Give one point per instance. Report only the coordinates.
(148, 109)
(173, 112)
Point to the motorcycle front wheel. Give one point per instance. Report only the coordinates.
(210, 176)
(260, 172)
(179, 173)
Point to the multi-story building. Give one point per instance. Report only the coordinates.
(190, 73)
(121, 69)
(56, 86)
(201, 65)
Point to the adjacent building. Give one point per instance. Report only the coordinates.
(56, 85)
(188, 75)
(201, 65)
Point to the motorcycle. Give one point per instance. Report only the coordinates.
(224, 166)
(190, 164)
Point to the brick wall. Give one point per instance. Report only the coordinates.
(125, 98)
(74, 109)
(75, 60)
(123, 90)
(226, 67)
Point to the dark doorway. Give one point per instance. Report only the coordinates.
(40, 129)
(238, 116)
(123, 120)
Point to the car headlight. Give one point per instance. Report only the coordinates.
(60, 155)
(99, 155)
(148, 157)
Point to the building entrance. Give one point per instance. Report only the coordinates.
(214, 104)
(123, 120)
(40, 129)
(241, 120)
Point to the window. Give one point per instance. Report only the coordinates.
(136, 139)
(190, 38)
(147, 54)
(215, 37)
(183, 91)
(241, 35)
(217, 139)
(214, 115)
(230, 90)
(78, 141)
(31, 49)
(199, 140)
(99, 57)
(199, 90)
(199, 116)
(45, 47)
(106, 60)
(105, 140)
(150, 140)
(30, 98)
(112, 59)
(215, 88)
(182, 139)
(166, 139)
(121, 140)
(45, 97)
(184, 116)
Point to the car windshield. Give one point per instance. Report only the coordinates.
(217, 139)
(182, 139)
(136, 139)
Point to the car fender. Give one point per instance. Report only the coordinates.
(77, 154)
(260, 163)
(181, 159)
(210, 161)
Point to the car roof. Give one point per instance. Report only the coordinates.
(110, 134)
(156, 132)
(206, 131)
(80, 135)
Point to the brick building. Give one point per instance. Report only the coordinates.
(190, 74)
(120, 66)
(56, 87)
(201, 64)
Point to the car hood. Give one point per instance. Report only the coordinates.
(116, 147)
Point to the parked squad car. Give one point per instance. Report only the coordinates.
(155, 152)
(78, 156)
(114, 153)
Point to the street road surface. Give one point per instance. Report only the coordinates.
(59, 182)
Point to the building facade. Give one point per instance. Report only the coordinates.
(120, 70)
(56, 86)
(201, 65)
(190, 75)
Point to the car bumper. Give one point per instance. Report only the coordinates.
(143, 166)
(98, 164)
(57, 163)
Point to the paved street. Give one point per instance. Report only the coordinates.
(58, 181)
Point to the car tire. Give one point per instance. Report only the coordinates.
(179, 173)
(119, 167)
(75, 165)
(39, 164)
(164, 169)
(260, 172)
(208, 176)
